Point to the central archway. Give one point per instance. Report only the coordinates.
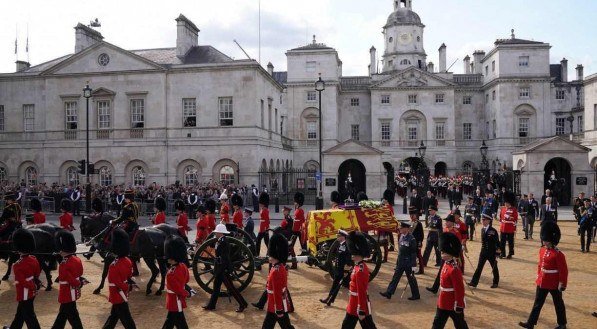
(557, 177)
(358, 179)
(440, 169)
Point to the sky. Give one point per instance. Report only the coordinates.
(350, 26)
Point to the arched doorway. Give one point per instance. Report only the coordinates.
(357, 182)
(440, 169)
(390, 175)
(558, 179)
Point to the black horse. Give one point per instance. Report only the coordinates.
(44, 252)
(148, 244)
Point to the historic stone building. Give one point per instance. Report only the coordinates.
(191, 113)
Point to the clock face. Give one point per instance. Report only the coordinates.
(406, 38)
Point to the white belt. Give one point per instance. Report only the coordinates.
(549, 271)
(170, 291)
(446, 289)
(66, 282)
(28, 279)
(352, 293)
(270, 291)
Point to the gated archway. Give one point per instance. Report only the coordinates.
(440, 169)
(351, 178)
(557, 177)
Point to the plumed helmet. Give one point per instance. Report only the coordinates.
(299, 198)
(175, 248)
(23, 241)
(335, 197)
(362, 196)
(550, 232)
(510, 198)
(35, 204)
(120, 243)
(388, 195)
(179, 205)
(412, 210)
(357, 244)
(264, 198)
(65, 241)
(65, 205)
(450, 244)
(129, 194)
(210, 205)
(278, 248)
(236, 200)
(159, 203)
(97, 205)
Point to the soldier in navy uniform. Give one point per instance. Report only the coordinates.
(585, 224)
(417, 232)
(532, 213)
(342, 260)
(470, 211)
(407, 259)
(490, 248)
(435, 227)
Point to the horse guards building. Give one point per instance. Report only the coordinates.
(192, 114)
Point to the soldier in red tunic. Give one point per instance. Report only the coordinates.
(552, 276)
(210, 217)
(263, 221)
(38, 216)
(176, 282)
(237, 204)
(224, 209)
(450, 228)
(359, 307)
(26, 271)
(508, 219)
(120, 273)
(450, 302)
(182, 221)
(277, 284)
(202, 226)
(70, 278)
(299, 220)
(66, 219)
(160, 211)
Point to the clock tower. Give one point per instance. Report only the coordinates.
(403, 35)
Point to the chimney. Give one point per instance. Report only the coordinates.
(86, 37)
(564, 66)
(22, 66)
(430, 67)
(467, 64)
(373, 61)
(579, 72)
(270, 68)
(186, 35)
(478, 56)
(442, 58)
(472, 68)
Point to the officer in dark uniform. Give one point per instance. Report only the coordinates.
(417, 232)
(435, 227)
(470, 211)
(585, 224)
(490, 248)
(478, 201)
(129, 215)
(11, 216)
(342, 259)
(532, 213)
(407, 259)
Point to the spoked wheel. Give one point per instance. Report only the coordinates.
(375, 259)
(241, 257)
(239, 234)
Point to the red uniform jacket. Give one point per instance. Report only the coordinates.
(66, 221)
(462, 229)
(451, 293)
(391, 208)
(508, 218)
(26, 271)
(225, 213)
(276, 286)
(69, 271)
(358, 302)
(552, 271)
(182, 221)
(202, 230)
(237, 218)
(160, 218)
(119, 272)
(39, 218)
(264, 220)
(211, 222)
(176, 296)
(299, 219)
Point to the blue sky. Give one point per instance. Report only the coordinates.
(350, 26)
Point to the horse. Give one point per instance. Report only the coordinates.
(148, 244)
(44, 252)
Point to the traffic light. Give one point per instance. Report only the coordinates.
(82, 167)
(91, 168)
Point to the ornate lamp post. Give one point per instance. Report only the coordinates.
(87, 94)
(422, 171)
(319, 87)
(483, 172)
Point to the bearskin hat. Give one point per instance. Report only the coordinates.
(176, 249)
(201, 209)
(299, 198)
(450, 244)
(65, 241)
(388, 195)
(129, 194)
(450, 218)
(335, 197)
(65, 205)
(97, 205)
(23, 241)
(35, 204)
(510, 198)
(236, 200)
(550, 232)
(179, 205)
(278, 248)
(120, 243)
(412, 210)
(264, 199)
(159, 203)
(357, 244)
(361, 196)
(210, 205)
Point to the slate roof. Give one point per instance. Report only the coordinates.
(281, 77)
(196, 55)
(403, 16)
(313, 46)
(515, 41)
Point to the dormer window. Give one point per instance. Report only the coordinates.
(405, 62)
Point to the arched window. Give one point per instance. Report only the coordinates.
(72, 176)
(2, 174)
(105, 176)
(405, 62)
(467, 168)
(138, 176)
(31, 176)
(190, 175)
(227, 175)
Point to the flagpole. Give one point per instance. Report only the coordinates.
(27, 43)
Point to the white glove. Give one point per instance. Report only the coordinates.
(111, 222)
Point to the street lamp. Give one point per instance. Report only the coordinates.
(570, 119)
(483, 172)
(422, 170)
(319, 87)
(422, 150)
(484, 162)
(87, 94)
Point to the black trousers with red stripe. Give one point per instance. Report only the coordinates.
(68, 312)
(272, 318)
(25, 315)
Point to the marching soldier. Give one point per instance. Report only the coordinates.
(224, 208)
(160, 211)
(263, 221)
(552, 276)
(175, 252)
(66, 219)
(202, 226)
(478, 201)
(585, 224)
(129, 214)
(388, 201)
(532, 213)
(299, 220)
(38, 216)
(222, 270)
(490, 249)
(359, 306)
(335, 200)
(277, 285)
(450, 228)
(450, 302)
(120, 273)
(70, 273)
(407, 259)
(417, 232)
(182, 221)
(470, 211)
(237, 204)
(210, 209)
(522, 212)
(508, 219)
(26, 271)
(249, 224)
(435, 227)
(342, 260)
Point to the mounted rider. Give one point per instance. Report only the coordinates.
(11, 216)
(129, 215)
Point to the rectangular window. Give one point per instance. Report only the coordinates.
(486, 98)
(189, 112)
(439, 98)
(440, 129)
(581, 123)
(311, 96)
(386, 133)
(412, 99)
(354, 132)
(29, 117)
(385, 99)
(225, 111)
(103, 114)
(311, 130)
(1, 117)
(311, 66)
(560, 126)
(486, 70)
(262, 114)
(411, 130)
(467, 100)
(493, 66)
(137, 113)
(493, 95)
(276, 118)
(494, 130)
(523, 61)
(525, 92)
(486, 129)
(70, 109)
(560, 94)
(467, 131)
(354, 102)
(523, 127)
